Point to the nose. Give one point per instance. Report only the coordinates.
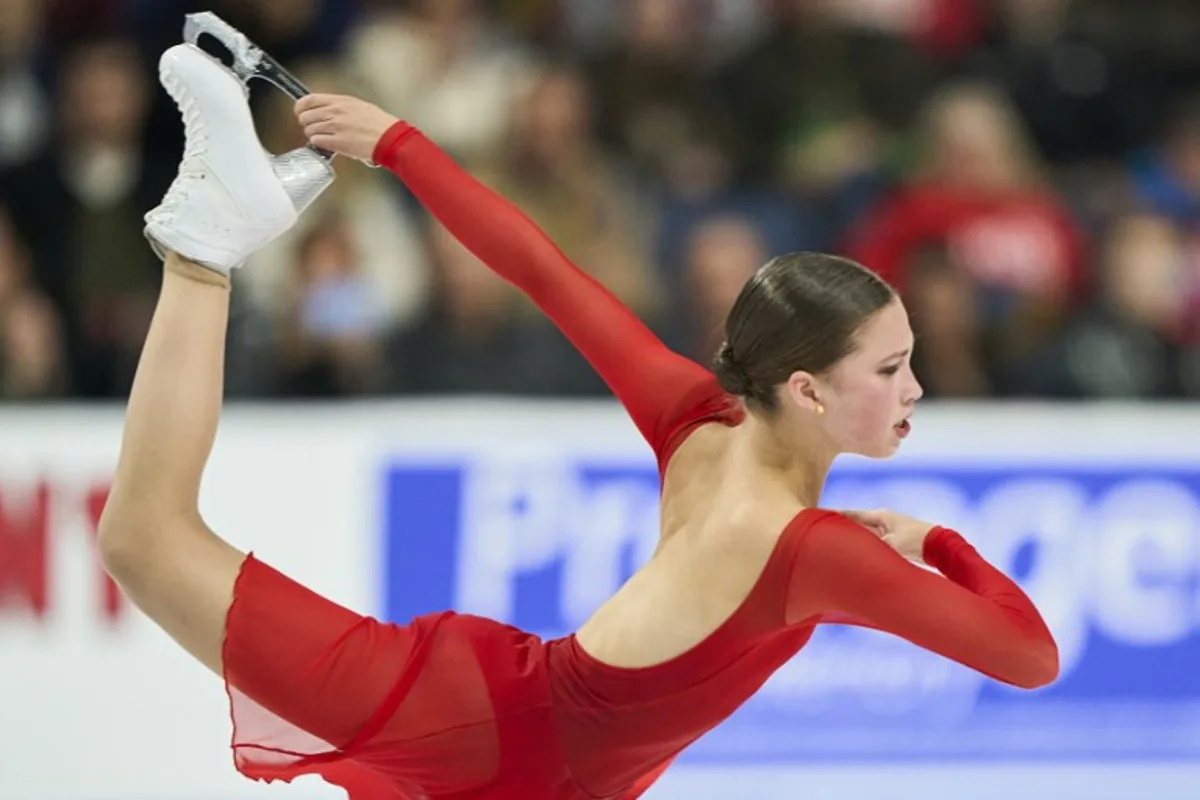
(915, 392)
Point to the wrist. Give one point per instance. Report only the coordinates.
(396, 132)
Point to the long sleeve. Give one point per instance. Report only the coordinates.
(662, 391)
(971, 613)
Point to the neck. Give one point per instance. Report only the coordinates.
(798, 455)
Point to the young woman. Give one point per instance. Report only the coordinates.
(816, 363)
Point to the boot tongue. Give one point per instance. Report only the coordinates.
(304, 174)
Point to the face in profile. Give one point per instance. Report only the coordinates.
(869, 395)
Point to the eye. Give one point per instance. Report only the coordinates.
(892, 370)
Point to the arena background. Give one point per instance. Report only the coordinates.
(404, 433)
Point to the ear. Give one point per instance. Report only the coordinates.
(804, 389)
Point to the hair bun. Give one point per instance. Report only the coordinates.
(730, 374)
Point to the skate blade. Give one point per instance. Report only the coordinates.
(249, 61)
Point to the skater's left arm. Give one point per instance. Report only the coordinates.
(664, 393)
(972, 613)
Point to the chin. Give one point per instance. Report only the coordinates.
(887, 448)
(877, 452)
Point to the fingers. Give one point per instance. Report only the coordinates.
(314, 115)
(324, 141)
(324, 128)
(318, 115)
(875, 520)
(312, 102)
(875, 516)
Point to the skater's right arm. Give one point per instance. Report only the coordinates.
(663, 392)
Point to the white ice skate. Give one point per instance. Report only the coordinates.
(231, 197)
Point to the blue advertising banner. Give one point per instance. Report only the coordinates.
(1110, 555)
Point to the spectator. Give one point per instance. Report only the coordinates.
(553, 168)
(469, 341)
(80, 203)
(951, 358)
(971, 151)
(24, 102)
(32, 363)
(330, 342)
(656, 104)
(14, 261)
(31, 356)
(979, 193)
(441, 66)
(1166, 175)
(723, 253)
(1166, 180)
(385, 235)
(1070, 80)
(815, 96)
(1128, 344)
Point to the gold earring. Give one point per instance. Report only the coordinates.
(820, 410)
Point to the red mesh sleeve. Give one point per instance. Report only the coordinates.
(971, 613)
(663, 392)
(317, 689)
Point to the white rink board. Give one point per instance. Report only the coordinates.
(100, 710)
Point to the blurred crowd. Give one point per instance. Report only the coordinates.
(1025, 172)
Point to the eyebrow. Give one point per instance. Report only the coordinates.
(900, 354)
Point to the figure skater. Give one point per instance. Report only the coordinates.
(448, 705)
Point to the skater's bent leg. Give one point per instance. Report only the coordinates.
(300, 669)
(225, 203)
(152, 539)
(320, 667)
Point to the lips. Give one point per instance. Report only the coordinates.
(903, 429)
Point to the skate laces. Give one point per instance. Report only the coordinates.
(196, 143)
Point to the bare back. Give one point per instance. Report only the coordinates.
(720, 521)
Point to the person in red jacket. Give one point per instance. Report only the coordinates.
(979, 194)
(815, 363)
(979, 202)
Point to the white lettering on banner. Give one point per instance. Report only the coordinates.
(1050, 514)
(1125, 563)
(613, 517)
(512, 514)
(524, 515)
(1146, 555)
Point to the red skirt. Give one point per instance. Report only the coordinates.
(447, 706)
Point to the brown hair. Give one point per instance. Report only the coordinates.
(799, 312)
